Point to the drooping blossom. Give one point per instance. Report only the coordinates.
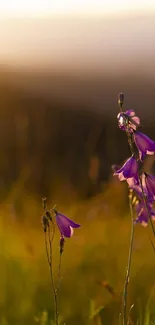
(65, 224)
(129, 171)
(148, 183)
(144, 144)
(128, 120)
(144, 212)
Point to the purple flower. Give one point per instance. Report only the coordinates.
(148, 182)
(137, 189)
(129, 171)
(65, 224)
(128, 120)
(144, 144)
(143, 212)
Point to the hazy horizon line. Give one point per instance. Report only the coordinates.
(124, 13)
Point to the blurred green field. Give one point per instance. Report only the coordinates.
(94, 260)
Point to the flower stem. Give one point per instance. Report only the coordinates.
(57, 291)
(125, 291)
(49, 259)
(59, 274)
(50, 238)
(49, 230)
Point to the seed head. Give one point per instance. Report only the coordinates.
(44, 202)
(48, 215)
(121, 99)
(45, 223)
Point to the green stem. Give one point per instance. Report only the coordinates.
(125, 291)
(51, 275)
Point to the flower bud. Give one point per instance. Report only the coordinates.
(121, 99)
(44, 202)
(48, 215)
(62, 242)
(45, 223)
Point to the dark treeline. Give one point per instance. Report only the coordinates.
(64, 141)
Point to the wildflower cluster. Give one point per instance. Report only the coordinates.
(140, 182)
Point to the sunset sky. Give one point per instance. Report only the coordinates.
(92, 35)
(42, 8)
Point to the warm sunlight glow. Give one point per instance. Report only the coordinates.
(40, 8)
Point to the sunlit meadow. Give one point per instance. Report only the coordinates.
(61, 69)
(93, 266)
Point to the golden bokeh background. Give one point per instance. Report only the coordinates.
(62, 65)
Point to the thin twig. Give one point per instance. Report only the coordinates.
(125, 291)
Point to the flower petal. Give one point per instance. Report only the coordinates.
(121, 177)
(149, 184)
(129, 170)
(130, 112)
(144, 144)
(65, 224)
(134, 122)
(71, 222)
(128, 120)
(122, 121)
(151, 153)
(131, 182)
(142, 214)
(72, 231)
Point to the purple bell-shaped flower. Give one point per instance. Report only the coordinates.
(65, 224)
(144, 144)
(129, 171)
